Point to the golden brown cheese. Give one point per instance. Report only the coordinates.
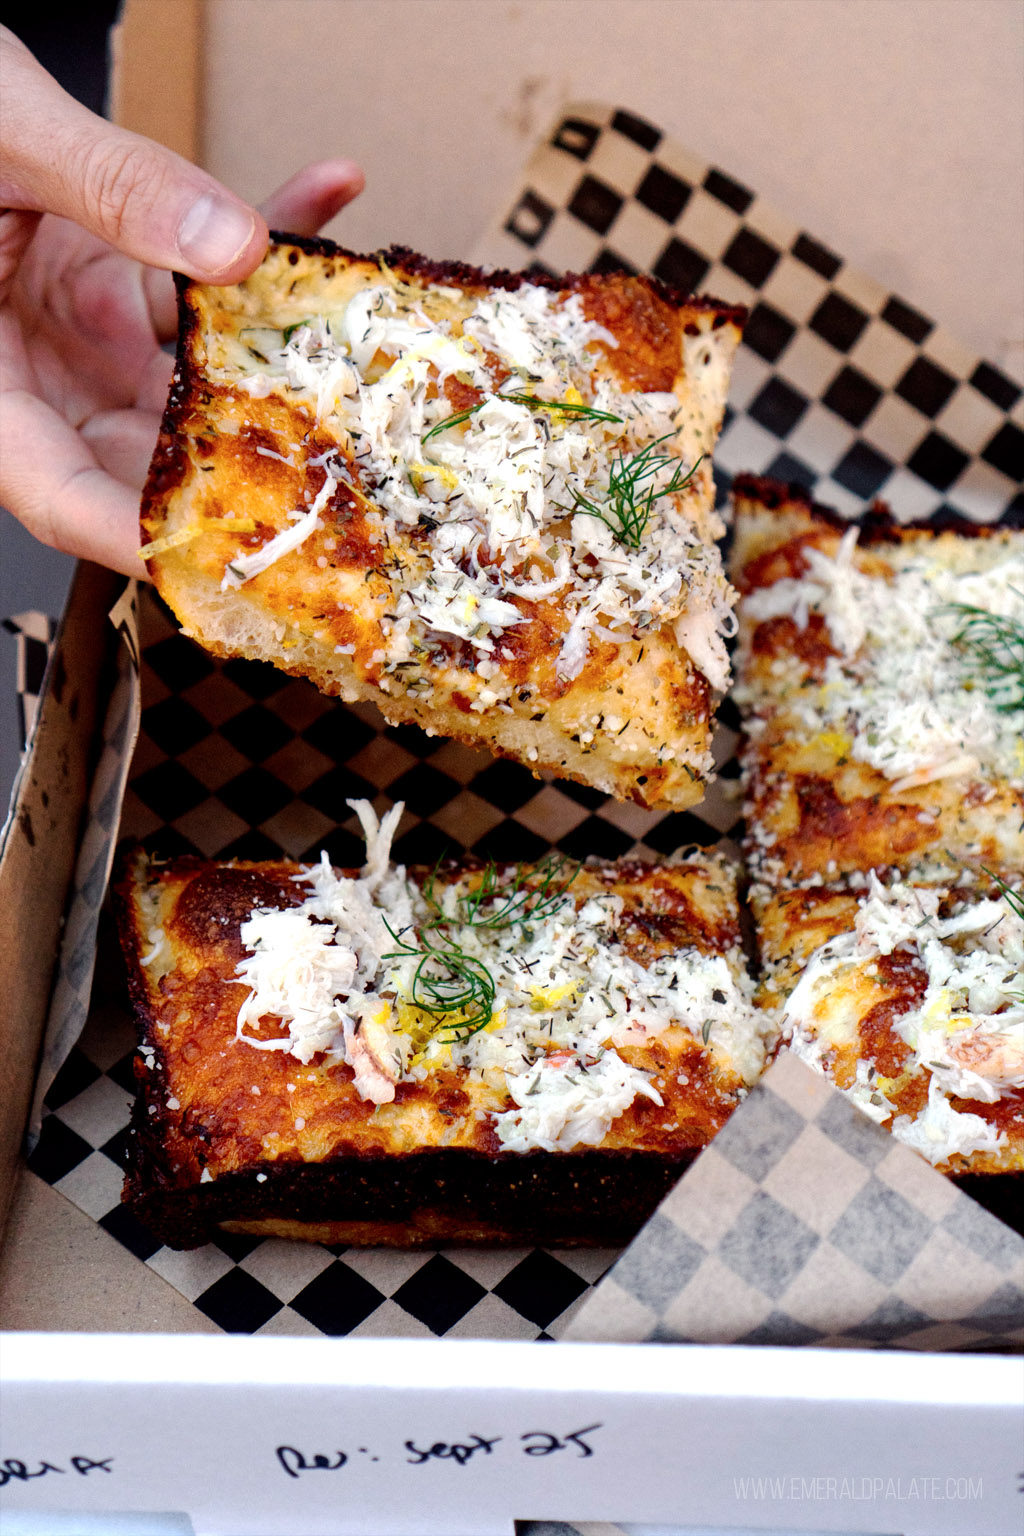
(821, 799)
(890, 1023)
(226, 1133)
(623, 701)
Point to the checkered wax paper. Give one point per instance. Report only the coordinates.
(34, 635)
(839, 385)
(236, 760)
(806, 1223)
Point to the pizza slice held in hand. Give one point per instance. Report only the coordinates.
(483, 501)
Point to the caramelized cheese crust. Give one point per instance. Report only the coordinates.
(226, 1134)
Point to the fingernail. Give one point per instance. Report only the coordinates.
(213, 233)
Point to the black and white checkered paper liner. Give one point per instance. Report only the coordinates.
(839, 385)
(236, 760)
(34, 634)
(806, 1223)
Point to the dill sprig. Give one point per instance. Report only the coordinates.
(994, 648)
(1014, 899)
(447, 983)
(535, 403)
(562, 407)
(531, 896)
(629, 500)
(451, 421)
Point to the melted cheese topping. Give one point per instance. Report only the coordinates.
(906, 698)
(491, 489)
(967, 1031)
(339, 972)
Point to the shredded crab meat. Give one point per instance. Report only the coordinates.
(902, 688)
(503, 484)
(967, 1029)
(343, 973)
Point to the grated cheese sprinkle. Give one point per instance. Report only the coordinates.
(901, 690)
(339, 973)
(494, 486)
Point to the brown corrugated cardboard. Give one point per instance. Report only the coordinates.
(47, 1241)
(40, 844)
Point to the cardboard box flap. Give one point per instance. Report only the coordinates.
(40, 842)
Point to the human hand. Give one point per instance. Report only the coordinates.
(92, 221)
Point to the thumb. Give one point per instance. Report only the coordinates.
(146, 201)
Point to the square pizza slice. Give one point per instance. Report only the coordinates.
(476, 1053)
(481, 500)
(910, 998)
(881, 686)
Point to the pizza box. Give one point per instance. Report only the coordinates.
(119, 1396)
(126, 1409)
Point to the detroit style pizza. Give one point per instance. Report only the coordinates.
(910, 998)
(881, 687)
(483, 501)
(474, 1053)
